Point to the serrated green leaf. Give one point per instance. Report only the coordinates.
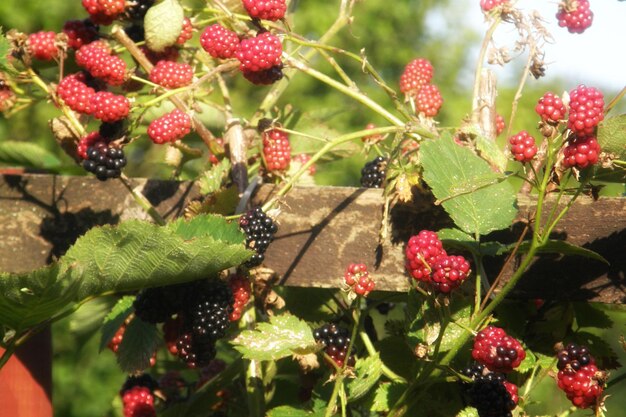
(386, 394)
(116, 317)
(544, 361)
(612, 135)
(208, 225)
(368, 371)
(289, 411)
(162, 24)
(283, 336)
(27, 154)
(528, 363)
(491, 152)
(210, 181)
(138, 345)
(477, 199)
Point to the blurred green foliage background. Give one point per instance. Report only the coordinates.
(390, 34)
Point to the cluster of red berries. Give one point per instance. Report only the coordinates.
(104, 12)
(336, 341)
(488, 5)
(489, 392)
(138, 396)
(497, 350)
(415, 83)
(266, 9)
(523, 146)
(551, 108)
(170, 127)
(170, 74)
(427, 261)
(276, 150)
(96, 58)
(579, 377)
(80, 32)
(241, 289)
(575, 15)
(43, 45)
(358, 279)
(586, 111)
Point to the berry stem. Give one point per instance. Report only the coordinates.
(371, 350)
(520, 88)
(146, 82)
(142, 201)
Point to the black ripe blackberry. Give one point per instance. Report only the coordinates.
(104, 161)
(143, 380)
(573, 357)
(259, 229)
(195, 351)
(137, 9)
(487, 393)
(208, 309)
(336, 341)
(265, 77)
(373, 173)
(135, 32)
(158, 304)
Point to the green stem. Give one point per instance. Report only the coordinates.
(369, 346)
(10, 350)
(143, 201)
(144, 81)
(254, 373)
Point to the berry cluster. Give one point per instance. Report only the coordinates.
(138, 397)
(579, 376)
(489, 392)
(260, 230)
(551, 108)
(104, 12)
(80, 32)
(42, 45)
(103, 160)
(170, 74)
(186, 32)
(96, 58)
(416, 74)
(109, 107)
(428, 100)
(575, 15)
(374, 172)
(7, 96)
(358, 279)
(219, 42)
(496, 350)
(336, 341)
(523, 146)
(276, 150)
(266, 9)
(241, 289)
(261, 52)
(581, 152)
(427, 261)
(488, 5)
(586, 110)
(170, 127)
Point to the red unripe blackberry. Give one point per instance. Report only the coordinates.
(303, 158)
(260, 230)
(170, 127)
(186, 32)
(586, 110)
(428, 100)
(513, 391)
(581, 152)
(266, 9)
(358, 279)
(372, 138)
(259, 53)
(573, 357)
(583, 387)
(276, 150)
(496, 350)
(86, 142)
(42, 45)
(219, 42)
(575, 15)
(116, 340)
(266, 76)
(500, 124)
(449, 272)
(374, 172)
(80, 32)
(336, 341)
(523, 146)
(171, 74)
(488, 5)
(96, 58)
(422, 251)
(104, 12)
(489, 392)
(109, 107)
(75, 93)
(551, 108)
(208, 309)
(417, 73)
(7, 98)
(241, 289)
(138, 402)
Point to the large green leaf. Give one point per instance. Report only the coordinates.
(478, 199)
(127, 257)
(612, 136)
(283, 336)
(27, 154)
(139, 343)
(385, 395)
(162, 24)
(368, 371)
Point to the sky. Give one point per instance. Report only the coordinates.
(596, 57)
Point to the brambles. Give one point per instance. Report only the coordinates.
(80, 32)
(276, 150)
(241, 289)
(104, 12)
(336, 341)
(170, 127)
(75, 93)
(500, 124)
(261, 52)
(104, 161)
(96, 58)
(449, 272)
(586, 110)
(259, 229)
(496, 350)
(579, 376)
(422, 251)
(551, 108)
(575, 15)
(266, 9)
(358, 279)
(186, 33)
(523, 146)
(109, 107)
(219, 42)
(428, 100)
(170, 74)
(417, 73)
(303, 158)
(489, 392)
(374, 172)
(581, 152)
(208, 310)
(42, 45)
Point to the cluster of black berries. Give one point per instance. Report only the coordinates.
(489, 392)
(104, 161)
(373, 173)
(336, 341)
(202, 311)
(575, 356)
(259, 229)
